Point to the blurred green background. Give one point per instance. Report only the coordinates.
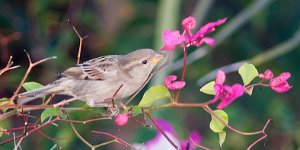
(118, 27)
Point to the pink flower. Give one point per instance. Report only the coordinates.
(171, 39)
(227, 94)
(207, 40)
(172, 84)
(210, 27)
(279, 84)
(121, 119)
(188, 23)
(199, 38)
(267, 75)
(220, 78)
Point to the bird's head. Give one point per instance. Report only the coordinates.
(140, 63)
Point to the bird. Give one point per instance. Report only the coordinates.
(98, 80)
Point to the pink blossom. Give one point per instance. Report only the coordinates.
(199, 38)
(121, 119)
(227, 94)
(188, 23)
(279, 84)
(172, 84)
(210, 27)
(267, 75)
(171, 39)
(220, 78)
(207, 40)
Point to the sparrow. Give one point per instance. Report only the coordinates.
(99, 80)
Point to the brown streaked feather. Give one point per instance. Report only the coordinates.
(95, 69)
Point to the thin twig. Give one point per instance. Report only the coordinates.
(31, 65)
(86, 121)
(233, 129)
(118, 140)
(80, 41)
(182, 73)
(161, 131)
(8, 66)
(80, 137)
(198, 145)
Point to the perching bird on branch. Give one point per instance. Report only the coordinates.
(99, 80)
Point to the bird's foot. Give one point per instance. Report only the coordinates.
(111, 111)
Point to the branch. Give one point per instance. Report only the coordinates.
(233, 129)
(8, 66)
(31, 65)
(116, 139)
(161, 131)
(80, 41)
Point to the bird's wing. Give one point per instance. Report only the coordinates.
(99, 68)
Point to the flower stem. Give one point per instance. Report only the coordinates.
(161, 131)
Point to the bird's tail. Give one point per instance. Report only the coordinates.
(34, 94)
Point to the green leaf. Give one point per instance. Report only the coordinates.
(29, 86)
(208, 88)
(153, 94)
(248, 72)
(4, 101)
(50, 112)
(136, 110)
(222, 137)
(1, 133)
(215, 125)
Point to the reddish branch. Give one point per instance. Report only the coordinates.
(162, 131)
(80, 41)
(31, 65)
(8, 66)
(117, 139)
(198, 145)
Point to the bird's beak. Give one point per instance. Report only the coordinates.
(158, 57)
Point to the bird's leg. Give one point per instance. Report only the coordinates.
(112, 111)
(113, 98)
(115, 94)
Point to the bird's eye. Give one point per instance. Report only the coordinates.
(144, 61)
